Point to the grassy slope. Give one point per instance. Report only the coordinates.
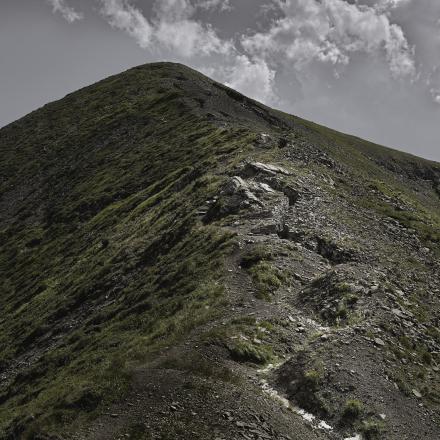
(103, 259)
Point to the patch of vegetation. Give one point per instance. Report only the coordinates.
(199, 365)
(305, 377)
(244, 338)
(334, 299)
(307, 392)
(255, 255)
(434, 332)
(245, 351)
(312, 379)
(267, 325)
(352, 411)
(267, 279)
(402, 381)
(425, 355)
(372, 429)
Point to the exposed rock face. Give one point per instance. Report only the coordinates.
(253, 168)
(255, 195)
(179, 261)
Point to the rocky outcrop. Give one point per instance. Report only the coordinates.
(258, 192)
(250, 169)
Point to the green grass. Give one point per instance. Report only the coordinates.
(245, 351)
(199, 365)
(352, 410)
(342, 295)
(267, 279)
(255, 255)
(372, 429)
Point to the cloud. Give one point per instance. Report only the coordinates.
(387, 5)
(176, 29)
(252, 77)
(172, 27)
(330, 31)
(67, 12)
(222, 5)
(327, 31)
(121, 15)
(433, 83)
(302, 32)
(435, 95)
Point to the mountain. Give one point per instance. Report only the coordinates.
(178, 261)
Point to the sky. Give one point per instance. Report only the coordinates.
(365, 67)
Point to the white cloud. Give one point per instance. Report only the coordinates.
(306, 31)
(387, 5)
(188, 38)
(252, 77)
(172, 27)
(173, 10)
(120, 14)
(433, 83)
(177, 30)
(435, 95)
(222, 5)
(327, 31)
(67, 12)
(330, 31)
(398, 52)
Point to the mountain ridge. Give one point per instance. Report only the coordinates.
(166, 240)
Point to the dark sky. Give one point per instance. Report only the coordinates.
(367, 67)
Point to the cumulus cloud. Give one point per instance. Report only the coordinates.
(66, 11)
(303, 32)
(330, 31)
(177, 29)
(252, 77)
(120, 14)
(172, 27)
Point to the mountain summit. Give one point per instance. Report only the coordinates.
(179, 261)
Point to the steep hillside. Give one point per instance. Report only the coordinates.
(179, 261)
